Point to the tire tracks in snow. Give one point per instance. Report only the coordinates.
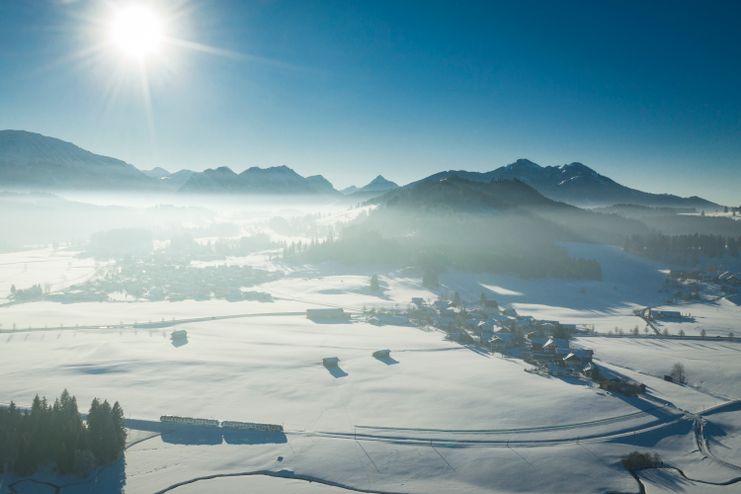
(282, 474)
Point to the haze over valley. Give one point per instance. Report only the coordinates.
(380, 247)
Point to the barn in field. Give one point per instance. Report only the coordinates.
(327, 315)
(330, 362)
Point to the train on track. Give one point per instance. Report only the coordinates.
(227, 424)
(175, 420)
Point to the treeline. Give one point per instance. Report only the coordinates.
(534, 260)
(30, 294)
(56, 435)
(686, 247)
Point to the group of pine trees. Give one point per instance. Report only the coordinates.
(32, 293)
(56, 435)
(686, 247)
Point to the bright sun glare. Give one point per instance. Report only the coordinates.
(136, 31)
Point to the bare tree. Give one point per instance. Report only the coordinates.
(678, 373)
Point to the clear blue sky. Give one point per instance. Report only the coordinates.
(647, 92)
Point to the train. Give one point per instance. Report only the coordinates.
(227, 424)
(174, 419)
(251, 426)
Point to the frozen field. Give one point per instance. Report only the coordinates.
(437, 417)
(55, 268)
(269, 370)
(713, 368)
(718, 318)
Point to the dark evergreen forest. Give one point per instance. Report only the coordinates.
(55, 434)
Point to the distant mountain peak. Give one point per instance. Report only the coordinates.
(222, 169)
(378, 185)
(524, 163)
(577, 167)
(380, 179)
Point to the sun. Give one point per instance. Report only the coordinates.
(136, 31)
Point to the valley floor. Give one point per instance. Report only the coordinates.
(435, 417)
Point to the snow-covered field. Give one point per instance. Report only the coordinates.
(718, 318)
(268, 369)
(56, 269)
(438, 417)
(714, 368)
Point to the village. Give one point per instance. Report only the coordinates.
(687, 285)
(496, 330)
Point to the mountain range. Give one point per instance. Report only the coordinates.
(576, 184)
(31, 160)
(255, 180)
(456, 193)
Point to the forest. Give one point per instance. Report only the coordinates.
(55, 434)
(510, 242)
(683, 247)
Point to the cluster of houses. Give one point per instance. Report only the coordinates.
(713, 276)
(545, 344)
(729, 279)
(501, 329)
(558, 356)
(687, 285)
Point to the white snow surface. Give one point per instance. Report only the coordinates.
(441, 418)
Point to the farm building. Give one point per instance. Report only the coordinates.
(383, 319)
(665, 314)
(498, 340)
(327, 315)
(588, 369)
(330, 362)
(179, 334)
(578, 358)
(547, 348)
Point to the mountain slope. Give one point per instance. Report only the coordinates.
(35, 160)
(212, 180)
(503, 226)
(455, 196)
(176, 180)
(576, 184)
(455, 193)
(157, 172)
